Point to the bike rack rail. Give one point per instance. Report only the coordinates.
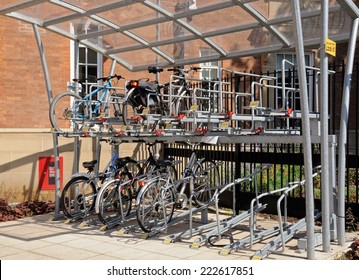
(282, 233)
(222, 226)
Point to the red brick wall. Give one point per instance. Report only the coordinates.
(23, 94)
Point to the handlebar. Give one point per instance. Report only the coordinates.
(154, 69)
(105, 79)
(185, 70)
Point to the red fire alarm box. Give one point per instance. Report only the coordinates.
(47, 173)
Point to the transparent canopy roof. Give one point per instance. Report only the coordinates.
(139, 33)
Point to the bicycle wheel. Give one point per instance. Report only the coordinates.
(173, 173)
(164, 166)
(134, 169)
(206, 177)
(67, 110)
(129, 114)
(183, 103)
(155, 205)
(114, 201)
(115, 114)
(78, 197)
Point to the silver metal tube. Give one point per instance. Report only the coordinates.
(309, 196)
(113, 66)
(332, 187)
(44, 63)
(343, 132)
(54, 135)
(324, 146)
(76, 165)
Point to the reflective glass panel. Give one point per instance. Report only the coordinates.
(185, 49)
(180, 6)
(46, 11)
(131, 14)
(116, 40)
(91, 4)
(81, 26)
(159, 32)
(140, 57)
(246, 40)
(220, 19)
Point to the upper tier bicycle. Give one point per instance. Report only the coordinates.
(69, 112)
(150, 97)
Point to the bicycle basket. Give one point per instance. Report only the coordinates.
(141, 92)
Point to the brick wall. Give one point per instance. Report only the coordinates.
(23, 94)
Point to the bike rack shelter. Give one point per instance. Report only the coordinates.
(133, 40)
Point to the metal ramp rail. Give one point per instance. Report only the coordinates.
(282, 233)
(219, 227)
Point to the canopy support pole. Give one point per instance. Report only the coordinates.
(324, 144)
(344, 120)
(54, 135)
(306, 139)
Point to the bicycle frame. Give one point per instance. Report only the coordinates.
(187, 175)
(88, 100)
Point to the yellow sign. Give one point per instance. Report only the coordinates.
(194, 108)
(330, 47)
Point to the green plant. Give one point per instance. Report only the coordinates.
(351, 221)
(351, 254)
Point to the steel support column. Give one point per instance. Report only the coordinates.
(324, 146)
(55, 137)
(308, 168)
(76, 50)
(343, 132)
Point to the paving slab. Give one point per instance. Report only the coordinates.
(41, 237)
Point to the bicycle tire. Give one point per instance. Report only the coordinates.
(153, 166)
(183, 102)
(129, 114)
(109, 202)
(153, 200)
(206, 177)
(63, 111)
(78, 197)
(134, 169)
(172, 171)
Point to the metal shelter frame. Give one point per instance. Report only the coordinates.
(95, 25)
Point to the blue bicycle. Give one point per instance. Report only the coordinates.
(69, 112)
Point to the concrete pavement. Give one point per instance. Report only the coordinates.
(41, 238)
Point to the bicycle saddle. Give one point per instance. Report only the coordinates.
(89, 164)
(121, 162)
(154, 69)
(164, 163)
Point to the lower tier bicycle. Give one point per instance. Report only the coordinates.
(158, 199)
(79, 194)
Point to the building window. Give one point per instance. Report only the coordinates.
(209, 69)
(90, 67)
